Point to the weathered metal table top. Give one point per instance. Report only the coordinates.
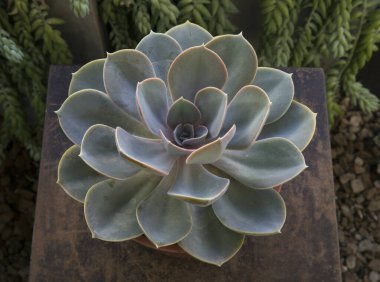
(307, 249)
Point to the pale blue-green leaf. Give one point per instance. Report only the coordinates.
(189, 35)
(297, 125)
(161, 50)
(248, 110)
(240, 59)
(265, 164)
(89, 76)
(251, 211)
(279, 87)
(74, 176)
(122, 71)
(165, 220)
(212, 151)
(193, 70)
(197, 185)
(209, 240)
(99, 151)
(88, 107)
(147, 153)
(183, 111)
(151, 95)
(212, 103)
(110, 206)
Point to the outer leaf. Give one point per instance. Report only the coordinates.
(211, 152)
(161, 50)
(148, 153)
(198, 186)
(251, 211)
(153, 105)
(248, 110)
(122, 71)
(279, 87)
(183, 111)
(164, 220)
(297, 124)
(99, 151)
(212, 103)
(189, 35)
(110, 206)
(265, 164)
(209, 240)
(89, 76)
(74, 176)
(193, 70)
(240, 59)
(81, 110)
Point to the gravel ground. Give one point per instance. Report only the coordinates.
(356, 158)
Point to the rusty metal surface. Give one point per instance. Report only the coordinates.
(307, 249)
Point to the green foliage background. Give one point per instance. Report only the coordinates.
(339, 36)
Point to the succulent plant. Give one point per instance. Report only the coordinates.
(183, 139)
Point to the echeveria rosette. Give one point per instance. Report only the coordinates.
(183, 140)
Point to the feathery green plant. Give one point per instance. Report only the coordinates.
(130, 20)
(29, 43)
(339, 36)
(81, 8)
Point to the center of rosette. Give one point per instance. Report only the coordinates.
(188, 135)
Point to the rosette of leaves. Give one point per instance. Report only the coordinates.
(183, 139)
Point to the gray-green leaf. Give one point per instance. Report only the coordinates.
(165, 220)
(209, 240)
(122, 71)
(99, 151)
(297, 124)
(74, 176)
(265, 164)
(110, 206)
(279, 87)
(251, 211)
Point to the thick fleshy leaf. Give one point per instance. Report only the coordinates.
(265, 164)
(240, 59)
(148, 153)
(74, 176)
(209, 240)
(161, 50)
(165, 220)
(82, 110)
(99, 151)
(197, 185)
(189, 35)
(122, 71)
(110, 206)
(297, 125)
(212, 103)
(279, 87)
(199, 138)
(151, 95)
(89, 76)
(172, 149)
(248, 110)
(193, 70)
(183, 111)
(251, 211)
(212, 151)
